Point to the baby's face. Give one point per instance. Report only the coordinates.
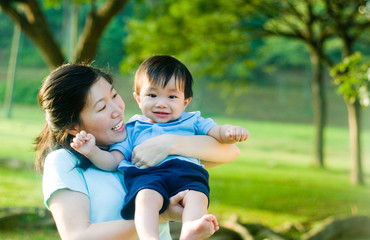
(162, 104)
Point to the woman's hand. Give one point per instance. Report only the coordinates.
(175, 209)
(152, 151)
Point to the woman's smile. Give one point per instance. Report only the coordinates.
(119, 127)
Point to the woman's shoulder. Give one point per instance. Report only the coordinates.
(60, 172)
(61, 158)
(61, 152)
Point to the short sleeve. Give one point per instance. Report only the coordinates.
(60, 172)
(203, 125)
(124, 147)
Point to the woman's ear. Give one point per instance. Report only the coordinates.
(74, 130)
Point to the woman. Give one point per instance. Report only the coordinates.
(85, 201)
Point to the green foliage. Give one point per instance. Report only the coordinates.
(352, 76)
(111, 50)
(205, 35)
(277, 53)
(284, 21)
(59, 3)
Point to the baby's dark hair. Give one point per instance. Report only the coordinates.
(160, 69)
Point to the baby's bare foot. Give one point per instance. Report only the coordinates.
(199, 229)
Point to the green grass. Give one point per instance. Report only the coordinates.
(27, 234)
(19, 132)
(271, 182)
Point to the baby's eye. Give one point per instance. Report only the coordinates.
(152, 95)
(172, 97)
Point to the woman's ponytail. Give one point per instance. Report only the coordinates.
(43, 145)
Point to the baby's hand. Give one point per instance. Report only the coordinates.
(83, 142)
(236, 134)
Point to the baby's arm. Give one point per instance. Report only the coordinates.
(84, 143)
(229, 133)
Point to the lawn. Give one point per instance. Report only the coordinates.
(271, 182)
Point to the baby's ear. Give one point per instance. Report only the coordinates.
(137, 97)
(187, 101)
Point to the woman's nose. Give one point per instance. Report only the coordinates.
(118, 110)
(115, 114)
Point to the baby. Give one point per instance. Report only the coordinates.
(163, 89)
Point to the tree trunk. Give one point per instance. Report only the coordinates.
(11, 72)
(35, 26)
(95, 25)
(30, 17)
(354, 121)
(319, 108)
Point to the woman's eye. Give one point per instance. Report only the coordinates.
(115, 95)
(101, 109)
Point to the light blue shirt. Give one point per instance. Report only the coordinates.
(140, 129)
(104, 189)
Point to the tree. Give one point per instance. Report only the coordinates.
(30, 17)
(353, 79)
(349, 20)
(315, 22)
(11, 72)
(304, 20)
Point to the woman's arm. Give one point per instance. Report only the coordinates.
(71, 211)
(212, 152)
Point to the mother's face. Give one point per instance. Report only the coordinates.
(103, 114)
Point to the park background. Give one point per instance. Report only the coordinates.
(261, 80)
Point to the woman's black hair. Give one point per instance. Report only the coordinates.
(62, 97)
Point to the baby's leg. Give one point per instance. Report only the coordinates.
(196, 223)
(147, 205)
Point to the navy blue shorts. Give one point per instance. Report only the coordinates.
(167, 179)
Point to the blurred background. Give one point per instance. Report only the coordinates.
(292, 72)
